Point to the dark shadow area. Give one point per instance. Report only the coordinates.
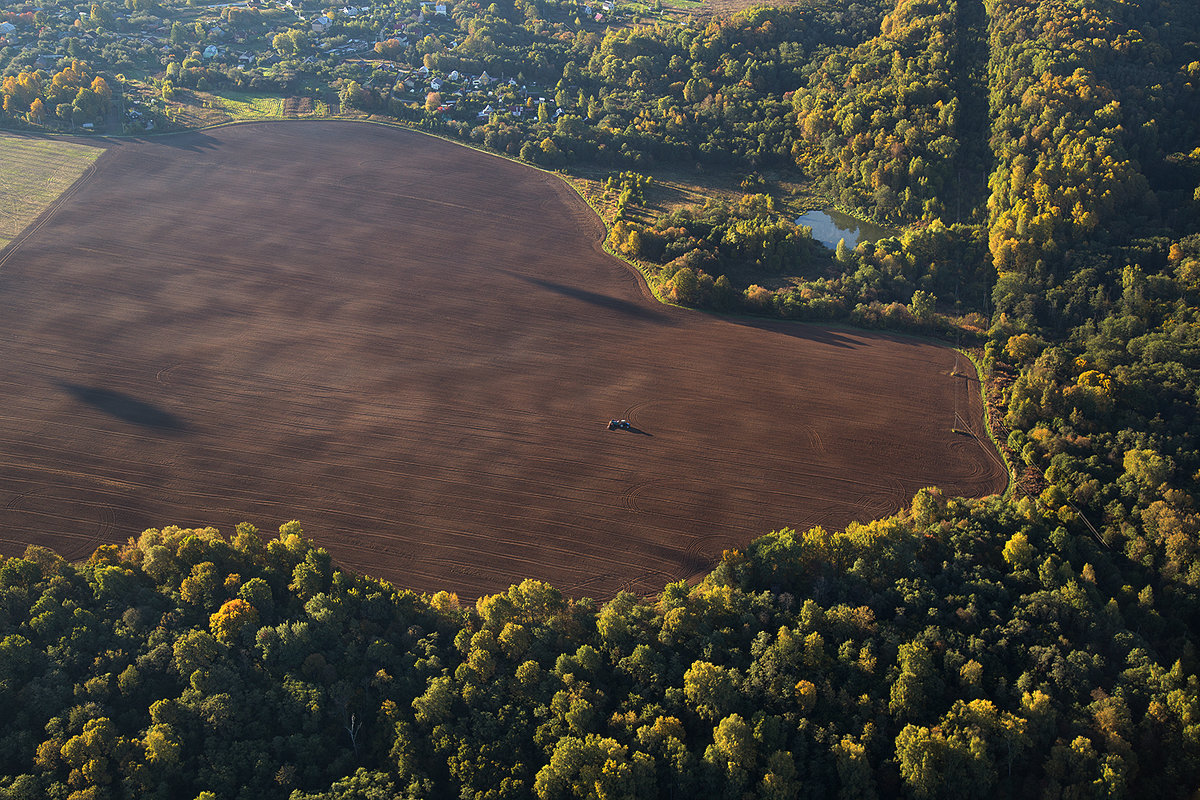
(186, 140)
(811, 331)
(125, 408)
(100, 143)
(602, 300)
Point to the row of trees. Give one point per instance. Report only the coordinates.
(70, 96)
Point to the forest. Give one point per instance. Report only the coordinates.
(1041, 161)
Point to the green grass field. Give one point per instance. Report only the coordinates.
(248, 106)
(33, 173)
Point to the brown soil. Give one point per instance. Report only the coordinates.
(297, 106)
(414, 349)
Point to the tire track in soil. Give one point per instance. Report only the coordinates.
(28, 505)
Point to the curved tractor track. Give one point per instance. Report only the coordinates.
(414, 348)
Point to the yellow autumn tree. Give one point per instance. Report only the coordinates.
(37, 112)
(233, 617)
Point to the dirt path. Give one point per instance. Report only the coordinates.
(413, 348)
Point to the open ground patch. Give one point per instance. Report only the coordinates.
(415, 349)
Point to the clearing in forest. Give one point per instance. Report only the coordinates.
(415, 348)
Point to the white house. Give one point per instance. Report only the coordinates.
(6, 28)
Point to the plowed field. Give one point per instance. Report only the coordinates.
(414, 349)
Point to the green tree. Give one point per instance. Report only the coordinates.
(710, 689)
(594, 767)
(923, 305)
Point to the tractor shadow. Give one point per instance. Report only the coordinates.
(633, 429)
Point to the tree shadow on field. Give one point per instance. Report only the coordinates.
(602, 300)
(811, 331)
(186, 140)
(125, 408)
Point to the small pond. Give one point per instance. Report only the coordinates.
(829, 225)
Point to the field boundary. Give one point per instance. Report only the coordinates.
(987, 423)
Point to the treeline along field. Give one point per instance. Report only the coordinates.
(415, 347)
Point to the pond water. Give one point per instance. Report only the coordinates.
(829, 225)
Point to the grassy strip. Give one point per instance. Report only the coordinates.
(579, 185)
(34, 172)
(1002, 451)
(242, 105)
